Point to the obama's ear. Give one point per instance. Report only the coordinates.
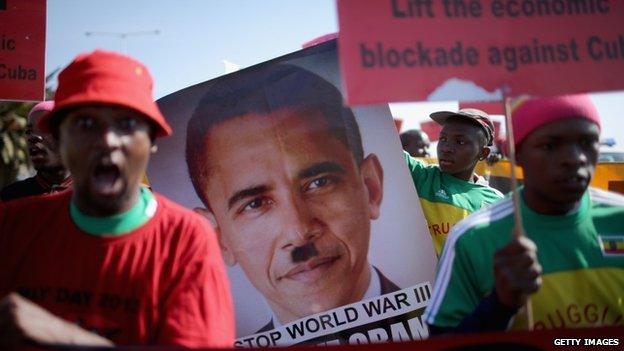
(372, 175)
(226, 252)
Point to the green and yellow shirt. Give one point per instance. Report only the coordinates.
(581, 254)
(446, 200)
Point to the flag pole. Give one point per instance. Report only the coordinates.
(519, 228)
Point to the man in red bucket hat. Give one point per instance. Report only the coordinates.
(109, 261)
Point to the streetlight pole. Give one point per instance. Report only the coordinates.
(123, 35)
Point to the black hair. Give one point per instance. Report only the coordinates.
(407, 136)
(261, 90)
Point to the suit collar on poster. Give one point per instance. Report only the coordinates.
(374, 289)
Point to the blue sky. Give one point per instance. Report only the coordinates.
(196, 36)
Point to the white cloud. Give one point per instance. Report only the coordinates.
(464, 90)
(230, 66)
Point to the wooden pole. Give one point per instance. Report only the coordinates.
(518, 228)
(512, 161)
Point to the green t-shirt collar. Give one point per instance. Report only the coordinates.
(118, 224)
(575, 216)
(462, 184)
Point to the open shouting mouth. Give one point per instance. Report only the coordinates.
(106, 178)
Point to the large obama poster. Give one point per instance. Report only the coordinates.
(317, 218)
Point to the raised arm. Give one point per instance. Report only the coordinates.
(21, 321)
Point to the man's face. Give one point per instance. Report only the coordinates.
(293, 209)
(558, 161)
(460, 147)
(106, 149)
(42, 148)
(417, 144)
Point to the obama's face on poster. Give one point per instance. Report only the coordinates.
(293, 208)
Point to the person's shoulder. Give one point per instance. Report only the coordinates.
(414, 162)
(175, 215)
(482, 186)
(170, 205)
(492, 193)
(608, 198)
(486, 221)
(11, 187)
(606, 205)
(421, 172)
(174, 210)
(17, 189)
(182, 227)
(17, 214)
(40, 202)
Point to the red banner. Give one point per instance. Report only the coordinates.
(405, 50)
(22, 49)
(491, 108)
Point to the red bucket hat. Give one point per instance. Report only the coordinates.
(104, 77)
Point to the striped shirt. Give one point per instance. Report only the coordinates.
(581, 254)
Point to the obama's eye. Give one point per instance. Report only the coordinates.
(318, 183)
(256, 204)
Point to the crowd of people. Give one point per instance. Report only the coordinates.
(90, 256)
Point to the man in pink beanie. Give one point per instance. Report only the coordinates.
(570, 261)
(109, 261)
(51, 174)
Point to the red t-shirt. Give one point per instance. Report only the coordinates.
(162, 283)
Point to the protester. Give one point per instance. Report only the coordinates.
(415, 142)
(279, 164)
(571, 262)
(109, 261)
(451, 191)
(51, 174)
